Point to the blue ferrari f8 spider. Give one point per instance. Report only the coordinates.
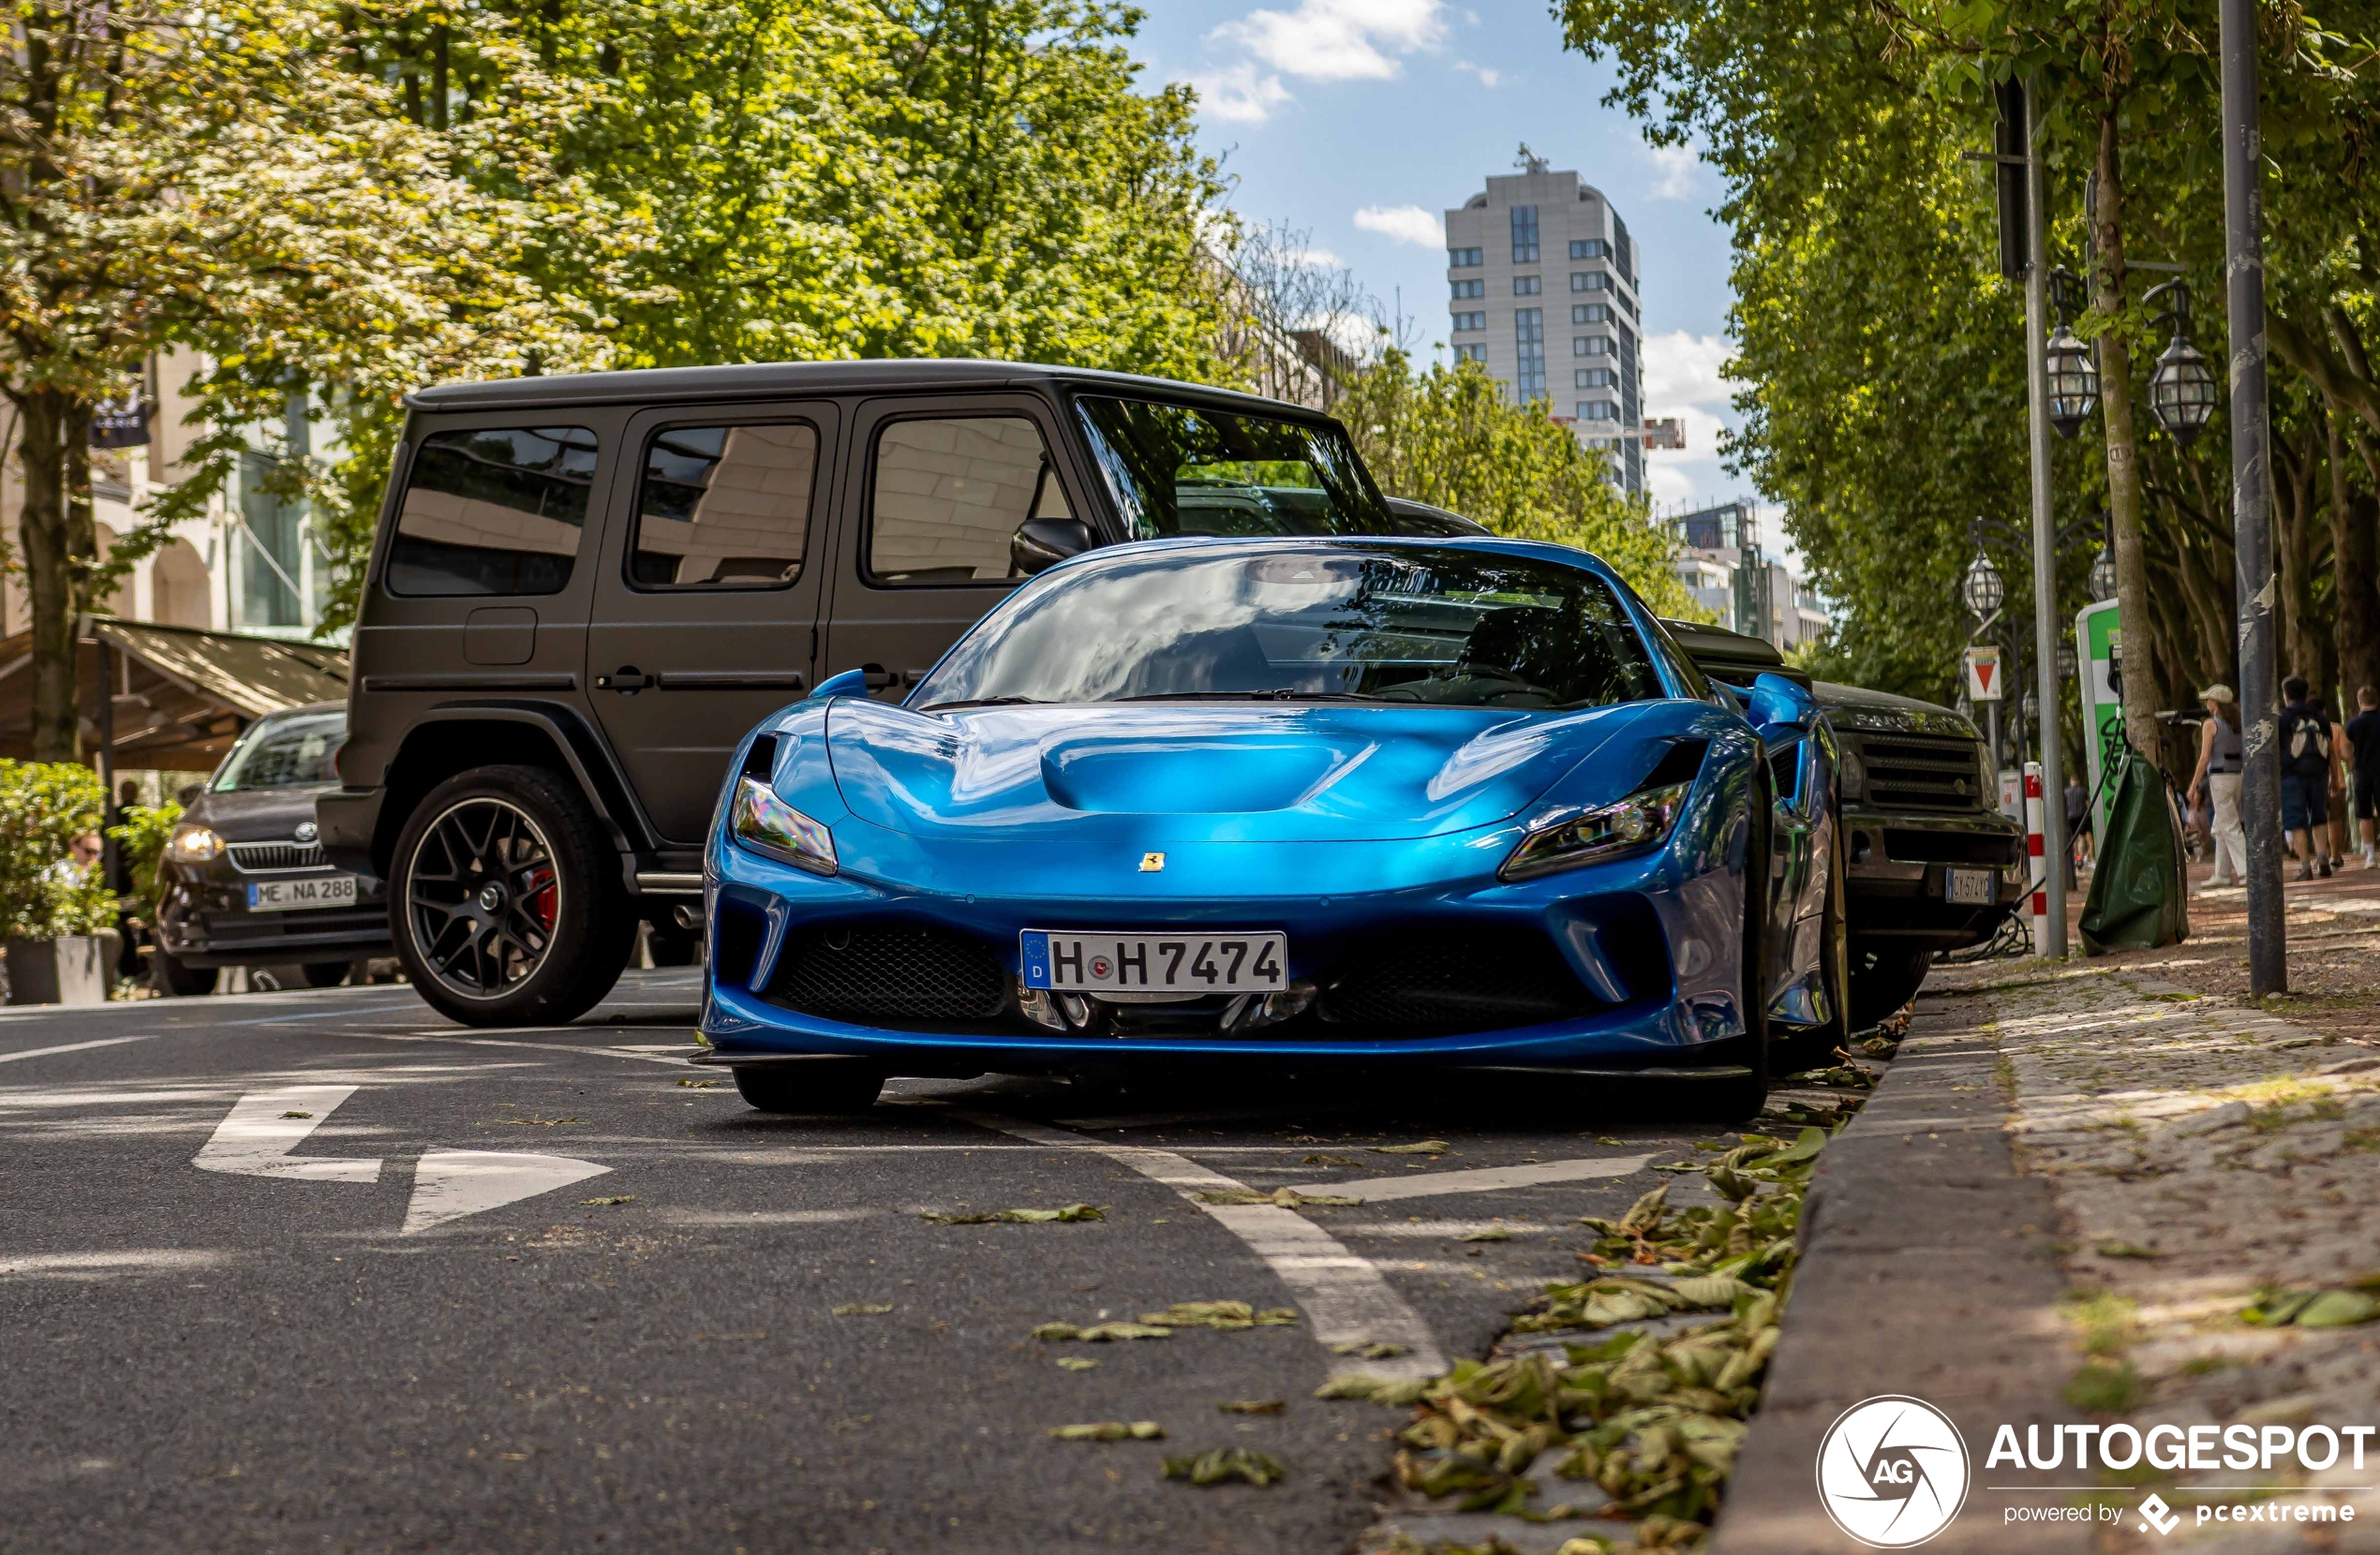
(1381, 803)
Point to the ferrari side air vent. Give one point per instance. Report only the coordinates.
(1678, 764)
(761, 760)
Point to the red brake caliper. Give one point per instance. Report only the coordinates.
(539, 898)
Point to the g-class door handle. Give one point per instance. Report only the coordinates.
(628, 680)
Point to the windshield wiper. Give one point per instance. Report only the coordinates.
(1284, 694)
(985, 701)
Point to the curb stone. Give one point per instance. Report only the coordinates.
(1927, 1269)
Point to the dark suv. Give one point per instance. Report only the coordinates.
(1931, 864)
(586, 589)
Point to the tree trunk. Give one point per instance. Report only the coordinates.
(2356, 550)
(2293, 551)
(2124, 456)
(60, 544)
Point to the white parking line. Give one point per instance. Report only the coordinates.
(1345, 1297)
(75, 1046)
(677, 1062)
(1422, 1185)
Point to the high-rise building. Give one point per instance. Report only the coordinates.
(1722, 566)
(1543, 282)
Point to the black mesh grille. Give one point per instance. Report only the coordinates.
(277, 856)
(1915, 772)
(878, 974)
(1453, 982)
(1909, 846)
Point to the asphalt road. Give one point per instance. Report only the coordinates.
(318, 1271)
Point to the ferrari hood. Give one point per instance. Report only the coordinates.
(1216, 771)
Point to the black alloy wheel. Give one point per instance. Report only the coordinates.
(507, 906)
(1885, 977)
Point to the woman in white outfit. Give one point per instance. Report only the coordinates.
(2220, 758)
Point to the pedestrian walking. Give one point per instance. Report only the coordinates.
(2220, 758)
(2077, 828)
(2308, 756)
(2363, 787)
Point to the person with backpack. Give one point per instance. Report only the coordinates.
(2308, 757)
(2221, 756)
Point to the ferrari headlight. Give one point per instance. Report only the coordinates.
(1643, 820)
(774, 829)
(193, 844)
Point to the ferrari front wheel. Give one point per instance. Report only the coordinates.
(1738, 1097)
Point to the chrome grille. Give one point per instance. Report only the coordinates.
(253, 856)
(1919, 772)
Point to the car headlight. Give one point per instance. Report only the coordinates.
(1850, 774)
(1643, 820)
(192, 844)
(774, 829)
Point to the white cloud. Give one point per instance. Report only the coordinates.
(1684, 370)
(1678, 169)
(1318, 258)
(1239, 95)
(1404, 223)
(1487, 76)
(1338, 39)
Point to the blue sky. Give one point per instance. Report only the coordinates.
(1362, 120)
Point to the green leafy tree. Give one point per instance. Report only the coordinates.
(44, 806)
(1448, 437)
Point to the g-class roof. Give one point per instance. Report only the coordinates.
(769, 379)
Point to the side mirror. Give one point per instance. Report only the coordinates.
(1041, 543)
(1776, 702)
(851, 683)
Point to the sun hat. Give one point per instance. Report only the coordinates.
(2217, 692)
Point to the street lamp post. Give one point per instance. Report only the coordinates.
(2061, 384)
(2252, 496)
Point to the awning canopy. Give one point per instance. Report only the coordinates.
(182, 695)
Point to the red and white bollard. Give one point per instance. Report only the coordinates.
(2037, 858)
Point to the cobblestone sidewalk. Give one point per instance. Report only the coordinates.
(2203, 1155)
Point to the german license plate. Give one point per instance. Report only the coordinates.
(295, 896)
(1094, 961)
(1973, 887)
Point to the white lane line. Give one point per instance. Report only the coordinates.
(677, 1062)
(256, 1139)
(75, 1046)
(1422, 1185)
(1345, 1297)
(451, 1184)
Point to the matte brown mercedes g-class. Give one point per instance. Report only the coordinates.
(584, 590)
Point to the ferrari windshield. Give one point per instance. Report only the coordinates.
(1181, 469)
(1402, 624)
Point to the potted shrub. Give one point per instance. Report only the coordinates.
(57, 919)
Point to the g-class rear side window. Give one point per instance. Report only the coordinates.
(493, 510)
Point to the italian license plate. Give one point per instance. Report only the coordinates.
(1971, 886)
(1094, 961)
(295, 896)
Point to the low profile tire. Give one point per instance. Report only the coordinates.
(506, 902)
(180, 980)
(1883, 979)
(817, 1086)
(325, 974)
(1739, 1099)
(1814, 1049)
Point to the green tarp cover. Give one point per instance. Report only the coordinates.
(2140, 898)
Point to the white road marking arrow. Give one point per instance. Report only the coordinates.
(451, 1184)
(265, 1126)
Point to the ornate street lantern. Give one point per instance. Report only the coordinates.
(2182, 391)
(2103, 575)
(2065, 659)
(1983, 589)
(2073, 371)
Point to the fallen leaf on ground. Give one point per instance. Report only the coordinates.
(1376, 1349)
(697, 1085)
(1218, 1314)
(862, 1309)
(1018, 1217)
(1110, 1430)
(2127, 1250)
(1607, 1141)
(1332, 1161)
(1254, 1406)
(1075, 1363)
(297, 1115)
(1101, 1333)
(1425, 1147)
(1221, 1465)
(615, 1199)
(1285, 1198)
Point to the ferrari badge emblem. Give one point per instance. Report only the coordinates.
(1151, 863)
